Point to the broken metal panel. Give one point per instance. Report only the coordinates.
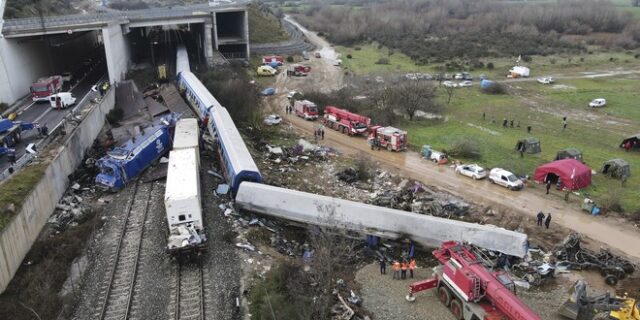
(429, 231)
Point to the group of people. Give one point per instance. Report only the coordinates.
(318, 133)
(288, 109)
(399, 268)
(541, 217)
(631, 145)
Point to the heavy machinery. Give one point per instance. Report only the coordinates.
(305, 109)
(11, 133)
(579, 306)
(469, 290)
(347, 122)
(393, 139)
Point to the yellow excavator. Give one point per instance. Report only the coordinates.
(579, 306)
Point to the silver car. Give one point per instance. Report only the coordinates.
(473, 171)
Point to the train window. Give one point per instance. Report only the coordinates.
(182, 217)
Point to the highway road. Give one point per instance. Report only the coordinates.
(43, 114)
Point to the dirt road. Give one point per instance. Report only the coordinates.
(613, 233)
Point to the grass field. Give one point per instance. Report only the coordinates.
(16, 189)
(598, 141)
(264, 28)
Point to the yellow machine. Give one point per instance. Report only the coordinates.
(602, 307)
(162, 72)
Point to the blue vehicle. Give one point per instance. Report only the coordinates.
(11, 133)
(268, 91)
(124, 163)
(197, 94)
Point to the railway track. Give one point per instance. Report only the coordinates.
(122, 277)
(190, 295)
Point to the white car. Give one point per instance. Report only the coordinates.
(272, 120)
(465, 83)
(547, 80)
(505, 178)
(291, 94)
(379, 79)
(66, 76)
(449, 84)
(337, 62)
(411, 76)
(473, 171)
(598, 103)
(458, 76)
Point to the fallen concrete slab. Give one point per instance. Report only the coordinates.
(429, 231)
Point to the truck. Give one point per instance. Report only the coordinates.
(270, 60)
(62, 100)
(42, 88)
(11, 133)
(298, 70)
(470, 291)
(393, 139)
(126, 162)
(306, 109)
(347, 122)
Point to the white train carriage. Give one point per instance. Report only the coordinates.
(187, 134)
(183, 201)
(197, 95)
(182, 60)
(234, 155)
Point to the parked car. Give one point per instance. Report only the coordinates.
(458, 76)
(465, 83)
(272, 120)
(598, 103)
(474, 171)
(305, 55)
(268, 92)
(318, 54)
(66, 76)
(411, 76)
(292, 94)
(466, 76)
(447, 76)
(449, 84)
(547, 80)
(62, 100)
(337, 62)
(505, 178)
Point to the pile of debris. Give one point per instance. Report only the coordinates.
(611, 267)
(420, 199)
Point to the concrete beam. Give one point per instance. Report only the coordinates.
(427, 230)
(208, 44)
(163, 22)
(246, 32)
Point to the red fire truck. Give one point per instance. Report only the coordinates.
(471, 291)
(345, 121)
(44, 87)
(391, 138)
(298, 70)
(306, 109)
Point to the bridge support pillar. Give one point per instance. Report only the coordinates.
(208, 43)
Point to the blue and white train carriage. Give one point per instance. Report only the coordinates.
(200, 99)
(234, 155)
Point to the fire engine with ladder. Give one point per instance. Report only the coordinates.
(469, 290)
(346, 122)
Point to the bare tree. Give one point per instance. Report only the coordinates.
(412, 96)
(450, 89)
(382, 96)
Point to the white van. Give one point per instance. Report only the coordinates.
(62, 100)
(505, 178)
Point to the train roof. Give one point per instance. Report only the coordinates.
(232, 141)
(200, 90)
(183, 180)
(186, 134)
(139, 141)
(182, 60)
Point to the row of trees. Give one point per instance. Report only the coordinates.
(33, 8)
(489, 25)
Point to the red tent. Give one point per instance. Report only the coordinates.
(572, 173)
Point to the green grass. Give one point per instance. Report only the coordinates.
(264, 27)
(625, 5)
(16, 189)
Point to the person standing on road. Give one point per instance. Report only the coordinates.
(322, 132)
(383, 266)
(548, 186)
(547, 221)
(412, 266)
(528, 129)
(564, 122)
(540, 217)
(403, 268)
(504, 122)
(11, 156)
(396, 270)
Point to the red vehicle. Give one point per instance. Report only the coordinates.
(44, 87)
(469, 290)
(298, 70)
(388, 137)
(306, 109)
(345, 121)
(271, 59)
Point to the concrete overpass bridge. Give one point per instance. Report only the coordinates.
(41, 46)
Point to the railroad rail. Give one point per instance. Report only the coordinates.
(119, 293)
(190, 295)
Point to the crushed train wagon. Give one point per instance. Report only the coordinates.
(616, 168)
(529, 145)
(631, 142)
(569, 153)
(571, 174)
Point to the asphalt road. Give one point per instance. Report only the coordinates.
(42, 113)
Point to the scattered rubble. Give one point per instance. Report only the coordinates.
(420, 199)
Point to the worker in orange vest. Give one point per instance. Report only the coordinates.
(396, 270)
(403, 266)
(412, 266)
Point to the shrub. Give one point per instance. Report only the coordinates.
(637, 55)
(4, 106)
(357, 48)
(490, 65)
(581, 59)
(465, 148)
(552, 60)
(114, 116)
(290, 59)
(349, 56)
(496, 88)
(382, 61)
(527, 58)
(611, 200)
